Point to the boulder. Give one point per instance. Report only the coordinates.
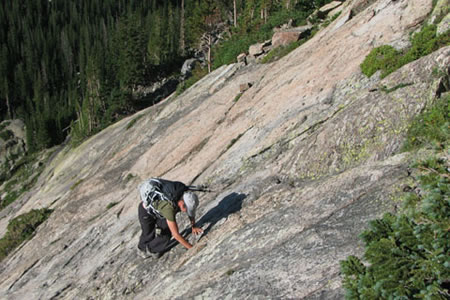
(12, 141)
(259, 49)
(324, 10)
(256, 49)
(244, 86)
(283, 38)
(188, 66)
(242, 58)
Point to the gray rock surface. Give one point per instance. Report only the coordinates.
(324, 10)
(188, 66)
(12, 141)
(297, 166)
(444, 25)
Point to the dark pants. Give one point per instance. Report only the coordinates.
(151, 241)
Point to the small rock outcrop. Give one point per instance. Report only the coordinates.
(326, 9)
(12, 142)
(285, 37)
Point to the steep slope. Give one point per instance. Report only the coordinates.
(298, 164)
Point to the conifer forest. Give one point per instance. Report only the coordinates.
(70, 67)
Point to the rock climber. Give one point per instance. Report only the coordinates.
(161, 201)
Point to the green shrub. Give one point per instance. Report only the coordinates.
(132, 122)
(383, 58)
(244, 37)
(9, 198)
(387, 59)
(281, 51)
(20, 179)
(197, 73)
(238, 96)
(22, 228)
(6, 135)
(4, 124)
(111, 205)
(407, 255)
(431, 127)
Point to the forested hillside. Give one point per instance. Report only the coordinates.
(70, 67)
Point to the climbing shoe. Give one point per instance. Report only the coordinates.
(144, 253)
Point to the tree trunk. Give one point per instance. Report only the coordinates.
(8, 105)
(235, 13)
(209, 52)
(182, 43)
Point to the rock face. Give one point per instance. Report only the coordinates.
(12, 141)
(297, 167)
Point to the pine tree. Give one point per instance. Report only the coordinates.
(407, 255)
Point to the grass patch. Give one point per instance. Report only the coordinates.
(281, 51)
(230, 272)
(21, 229)
(398, 86)
(238, 96)
(330, 20)
(20, 179)
(431, 128)
(133, 122)
(76, 184)
(129, 177)
(233, 141)
(111, 205)
(387, 59)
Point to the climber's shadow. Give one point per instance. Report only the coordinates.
(227, 206)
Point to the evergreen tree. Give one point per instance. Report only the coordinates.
(408, 255)
(131, 44)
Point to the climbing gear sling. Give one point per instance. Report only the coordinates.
(151, 192)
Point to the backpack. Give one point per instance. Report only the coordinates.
(151, 192)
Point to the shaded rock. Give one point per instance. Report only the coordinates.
(242, 58)
(244, 86)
